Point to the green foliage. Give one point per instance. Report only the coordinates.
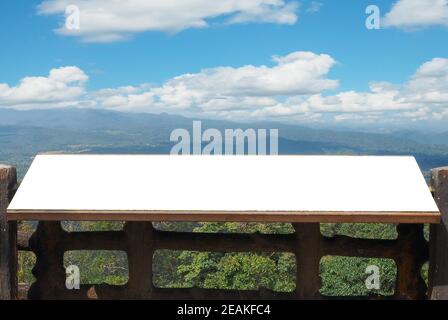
(345, 276)
(165, 266)
(99, 266)
(246, 227)
(360, 230)
(92, 226)
(26, 262)
(244, 271)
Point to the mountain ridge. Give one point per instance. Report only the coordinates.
(25, 133)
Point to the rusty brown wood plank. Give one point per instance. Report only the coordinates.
(226, 216)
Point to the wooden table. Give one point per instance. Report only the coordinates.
(302, 190)
(224, 188)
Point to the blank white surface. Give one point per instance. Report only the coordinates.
(223, 183)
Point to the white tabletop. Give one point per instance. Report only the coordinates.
(224, 188)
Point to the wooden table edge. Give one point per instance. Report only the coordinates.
(432, 217)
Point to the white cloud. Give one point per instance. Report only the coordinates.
(62, 87)
(423, 96)
(344, 117)
(314, 7)
(410, 14)
(296, 73)
(106, 20)
(227, 88)
(295, 88)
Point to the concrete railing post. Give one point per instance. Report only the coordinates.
(438, 264)
(8, 236)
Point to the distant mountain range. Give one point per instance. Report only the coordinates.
(425, 138)
(25, 133)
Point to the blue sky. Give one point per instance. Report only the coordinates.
(155, 55)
